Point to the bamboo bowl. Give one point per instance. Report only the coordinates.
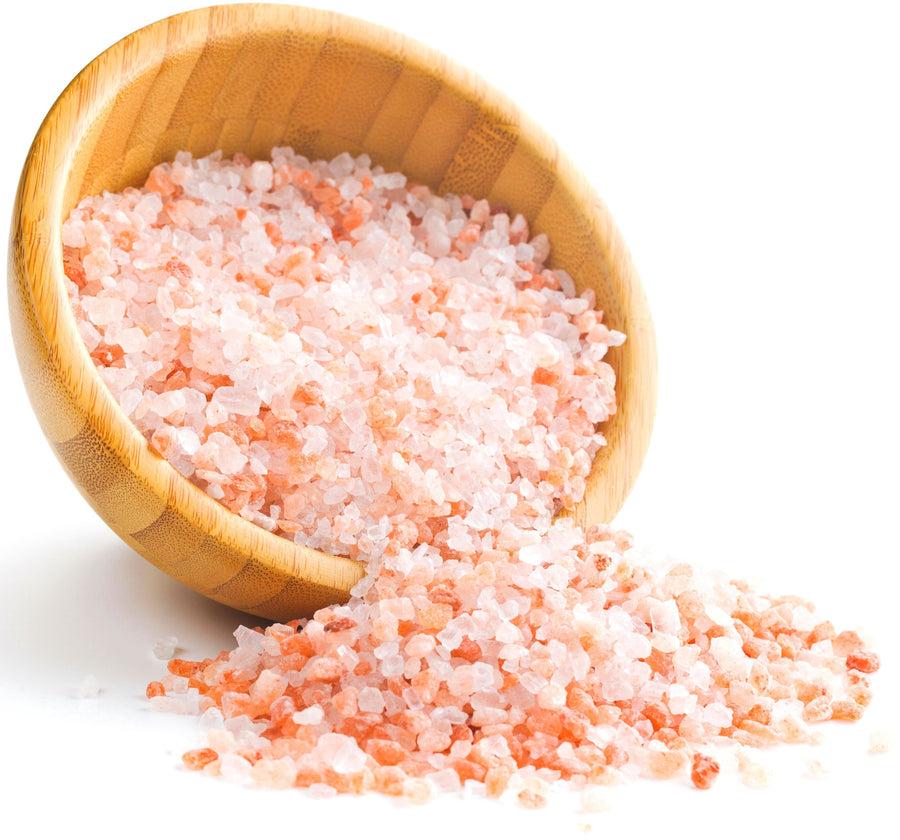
(247, 78)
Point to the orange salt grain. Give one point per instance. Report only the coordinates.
(198, 759)
(435, 616)
(846, 710)
(704, 771)
(182, 667)
(864, 661)
(155, 689)
(531, 799)
(386, 753)
(389, 780)
(665, 764)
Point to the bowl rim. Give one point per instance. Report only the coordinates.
(36, 246)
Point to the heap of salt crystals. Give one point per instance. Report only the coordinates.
(374, 370)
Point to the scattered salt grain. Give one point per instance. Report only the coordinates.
(164, 648)
(815, 770)
(879, 742)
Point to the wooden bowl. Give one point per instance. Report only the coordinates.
(247, 78)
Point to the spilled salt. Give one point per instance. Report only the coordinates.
(355, 363)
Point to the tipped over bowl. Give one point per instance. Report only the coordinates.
(245, 79)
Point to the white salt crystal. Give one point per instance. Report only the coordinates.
(319, 790)
(104, 310)
(235, 400)
(392, 666)
(879, 742)
(531, 681)
(258, 175)
(235, 768)
(665, 617)
(370, 700)
(340, 752)
(717, 715)
(164, 647)
(445, 780)
(249, 639)
(310, 716)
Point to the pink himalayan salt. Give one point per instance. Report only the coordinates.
(487, 644)
(319, 348)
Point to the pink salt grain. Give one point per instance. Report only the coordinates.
(357, 364)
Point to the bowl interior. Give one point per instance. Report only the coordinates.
(245, 79)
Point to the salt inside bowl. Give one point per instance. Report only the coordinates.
(247, 79)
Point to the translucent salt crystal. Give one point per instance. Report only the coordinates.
(815, 769)
(392, 666)
(665, 617)
(507, 633)
(235, 768)
(174, 705)
(730, 656)
(104, 310)
(314, 336)
(450, 638)
(412, 699)
(717, 715)
(681, 701)
(310, 716)
(551, 697)
(259, 175)
(385, 649)
(370, 700)
(249, 639)
(234, 400)
(340, 752)
(617, 688)
(717, 615)
(220, 740)
(532, 682)
(319, 790)
(879, 742)
(164, 647)
(73, 234)
(633, 646)
(533, 554)
(445, 780)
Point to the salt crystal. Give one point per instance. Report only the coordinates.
(165, 646)
(236, 768)
(879, 742)
(310, 716)
(319, 790)
(340, 752)
(370, 700)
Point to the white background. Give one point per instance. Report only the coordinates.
(749, 153)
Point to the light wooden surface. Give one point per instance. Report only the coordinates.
(246, 78)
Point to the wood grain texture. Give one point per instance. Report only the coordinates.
(245, 78)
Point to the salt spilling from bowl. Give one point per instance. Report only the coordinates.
(364, 366)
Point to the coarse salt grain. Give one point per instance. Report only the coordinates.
(165, 647)
(365, 367)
